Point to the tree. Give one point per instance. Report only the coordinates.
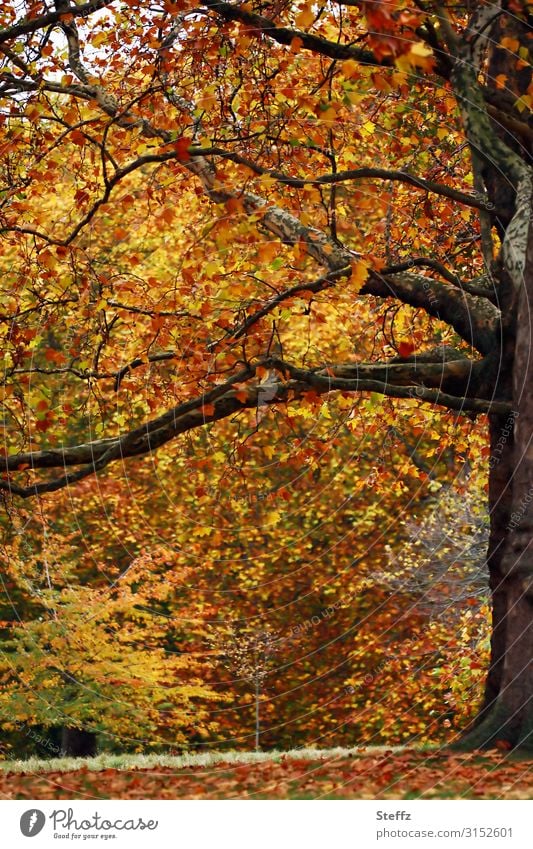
(95, 659)
(248, 653)
(443, 561)
(174, 176)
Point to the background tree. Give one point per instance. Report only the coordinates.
(98, 661)
(443, 559)
(276, 135)
(248, 653)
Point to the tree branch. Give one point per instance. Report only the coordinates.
(474, 318)
(244, 391)
(441, 189)
(286, 35)
(25, 27)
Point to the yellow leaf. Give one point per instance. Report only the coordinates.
(419, 56)
(99, 39)
(369, 127)
(305, 18)
(354, 97)
(359, 274)
(328, 115)
(211, 269)
(523, 103)
(350, 68)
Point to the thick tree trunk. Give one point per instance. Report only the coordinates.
(506, 716)
(77, 743)
(500, 496)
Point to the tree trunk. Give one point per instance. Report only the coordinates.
(500, 495)
(506, 716)
(257, 725)
(77, 743)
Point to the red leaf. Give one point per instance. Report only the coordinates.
(405, 349)
(182, 148)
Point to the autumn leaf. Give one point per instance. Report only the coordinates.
(418, 56)
(405, 349)
(359, 274)
(181, 146)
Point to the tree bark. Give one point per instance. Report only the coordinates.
(506, 717)
(500, 495)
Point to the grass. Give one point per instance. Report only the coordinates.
(128, 761)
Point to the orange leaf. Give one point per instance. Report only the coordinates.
(234, 205)
(168, 215)
(296, 44)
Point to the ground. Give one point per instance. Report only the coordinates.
(370, 773)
